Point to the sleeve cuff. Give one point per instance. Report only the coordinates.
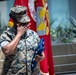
(4, 43)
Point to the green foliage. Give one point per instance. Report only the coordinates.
(63, 34)
(73, 25)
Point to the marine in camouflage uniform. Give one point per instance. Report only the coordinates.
(19, 63)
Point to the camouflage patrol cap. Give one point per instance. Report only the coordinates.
(20, 13)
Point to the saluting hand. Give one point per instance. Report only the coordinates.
(22, 29)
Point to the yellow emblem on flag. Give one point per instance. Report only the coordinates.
(41, 26)
(47, 30)
(47, 17)
(42, 12)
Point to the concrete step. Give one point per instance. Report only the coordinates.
(64, 56)
(67, 74)
(65, 68)
(64, 49)
(64, 59)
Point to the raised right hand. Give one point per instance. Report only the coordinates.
(22, 29)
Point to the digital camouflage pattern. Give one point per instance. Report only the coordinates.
(20, 13)
(19, 63)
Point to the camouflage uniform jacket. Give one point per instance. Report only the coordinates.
(19, 63)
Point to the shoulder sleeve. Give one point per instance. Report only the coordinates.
(3, 44)
(4, 39)
(36, 36)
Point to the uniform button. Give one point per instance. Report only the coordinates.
(32, 65)
(36, 51)
(33, 59)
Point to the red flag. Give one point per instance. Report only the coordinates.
(43, 30)
(38, 13)
(32, 15)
